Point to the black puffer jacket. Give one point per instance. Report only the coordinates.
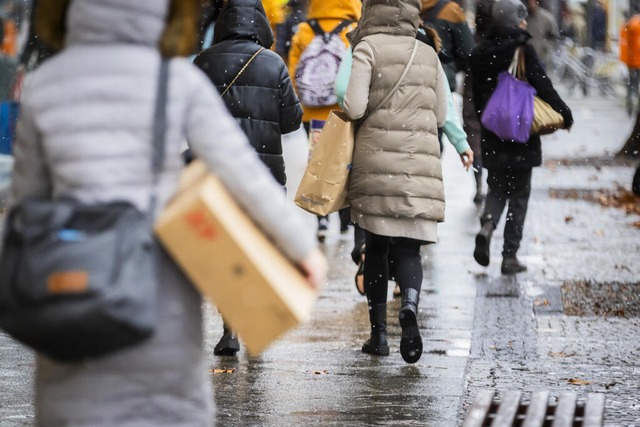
(262, 99)
(487, 60)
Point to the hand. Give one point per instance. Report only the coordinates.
(314, 267)
(467, 159)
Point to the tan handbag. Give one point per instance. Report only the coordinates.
(546, 120)
(323, 188)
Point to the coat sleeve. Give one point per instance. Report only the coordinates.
(542, 84)
(342, 79)
(215, 137)
(290, 108)
(30, 177)
(356, 99)
(441, 96)
(453, 125)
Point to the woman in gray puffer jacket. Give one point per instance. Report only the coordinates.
(395, 185)
(85, 132)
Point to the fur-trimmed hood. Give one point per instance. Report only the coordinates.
(171, 25)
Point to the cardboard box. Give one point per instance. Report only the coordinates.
(256, 289)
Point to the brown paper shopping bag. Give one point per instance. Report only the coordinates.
(256, 289)
(324, 185)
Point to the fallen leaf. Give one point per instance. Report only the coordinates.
(320, 372)
(222, 371)
(561, 354)
(568, 219)
(578, 381)
(636, 224)
(600, 232)
(540, 302)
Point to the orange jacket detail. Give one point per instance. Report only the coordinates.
(630, 42)
(329, 13)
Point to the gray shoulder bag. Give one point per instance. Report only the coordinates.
(79, 281)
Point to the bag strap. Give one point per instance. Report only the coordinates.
(399, 82)
(159, 132)
(517, 67)
(240, 72)
(326, 36)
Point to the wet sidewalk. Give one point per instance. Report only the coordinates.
(480, 329)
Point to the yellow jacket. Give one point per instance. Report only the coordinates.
(329, 13)
(275, 11)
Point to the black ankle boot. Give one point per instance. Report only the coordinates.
(483, 242)
(511, 265)
(228, 344)
(411, 342)
(377, 343)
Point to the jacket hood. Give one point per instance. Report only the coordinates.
(336, 9)
(499, 41)
(395, 17)
(515, 34)
(243, 20)
(170, 25)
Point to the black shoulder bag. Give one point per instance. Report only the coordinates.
(79, 281)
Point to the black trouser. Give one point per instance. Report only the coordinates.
(514, 186)
(408, 266)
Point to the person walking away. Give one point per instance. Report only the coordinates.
(449, 20)
(599, 26)
(243, 36)
(208, 17)
(630, 56)
(509, 163)
(275, 13)
(296, 14)
(85, 133)
(315, 55)
(579, 23)
(544, 32)
(395, 186)
(452, 129)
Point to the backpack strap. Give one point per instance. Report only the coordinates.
(326, 36)
(431, 15)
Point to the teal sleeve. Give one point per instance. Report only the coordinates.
(453, 126)
(342, 79)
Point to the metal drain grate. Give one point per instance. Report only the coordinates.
(567, 412)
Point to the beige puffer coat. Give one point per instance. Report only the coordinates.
(395, 186)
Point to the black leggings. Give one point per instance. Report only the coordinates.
(404, 253)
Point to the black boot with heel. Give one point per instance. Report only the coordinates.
(377, 343)
(411, 342)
